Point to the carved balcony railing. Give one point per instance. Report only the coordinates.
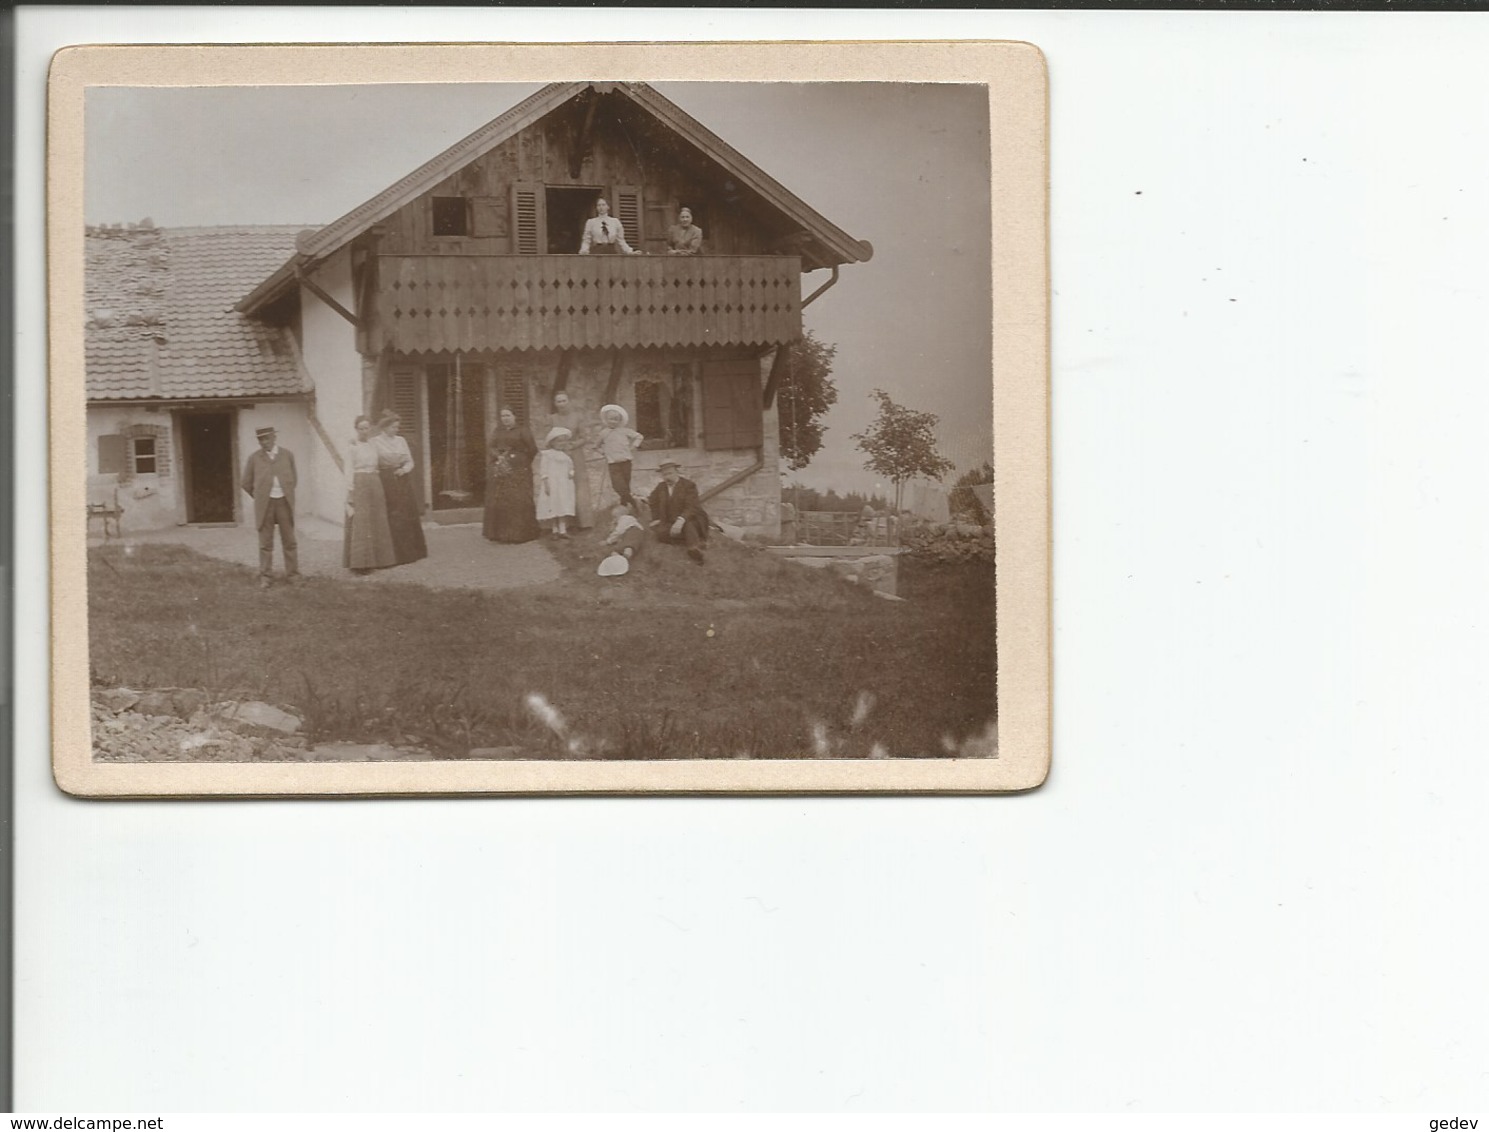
(438, 303)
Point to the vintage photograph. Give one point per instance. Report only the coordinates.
(593, 421)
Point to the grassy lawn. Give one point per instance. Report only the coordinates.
(750, 656)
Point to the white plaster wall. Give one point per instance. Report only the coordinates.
(329, 351)
(150, 501)
(287, 418)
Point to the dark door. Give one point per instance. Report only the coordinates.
(567, 210)
(457, 435)
(207, 449)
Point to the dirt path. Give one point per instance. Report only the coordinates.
(459, 558)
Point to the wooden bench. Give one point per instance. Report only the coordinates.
(103, 503)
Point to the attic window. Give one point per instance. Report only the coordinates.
(451, 217)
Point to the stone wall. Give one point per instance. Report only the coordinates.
(754, 504)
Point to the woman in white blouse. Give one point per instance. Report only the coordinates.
(367, 543)
(603, 233)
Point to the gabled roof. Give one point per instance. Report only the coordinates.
(161, 323)
(834, 246)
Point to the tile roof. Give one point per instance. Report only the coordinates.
(160, 313)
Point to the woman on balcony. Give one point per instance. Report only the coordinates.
(603, 233)
(684, 237)
(566, 416)
(509, 483)
(395, 465)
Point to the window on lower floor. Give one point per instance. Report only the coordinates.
(664, 409)
(135, 450)
(144, 455)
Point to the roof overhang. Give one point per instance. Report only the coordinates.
(199, 403)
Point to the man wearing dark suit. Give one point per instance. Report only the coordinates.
(676, 514)
(269, 477)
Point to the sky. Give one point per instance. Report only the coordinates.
(901, 165)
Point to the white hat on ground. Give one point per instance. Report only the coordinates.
(613, 565)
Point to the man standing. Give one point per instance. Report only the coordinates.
(677, 515)
(269, 477)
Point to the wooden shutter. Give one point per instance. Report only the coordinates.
(625, 202)
(488, 217)
(529, 222)
(511, 392)
(656, 229)
(113, 455)
(405, 400)
(731, 405)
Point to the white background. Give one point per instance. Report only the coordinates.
(1256, 878)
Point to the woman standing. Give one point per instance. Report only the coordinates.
(566, 416)
(394, 464)
(367, 544)
(509, 483)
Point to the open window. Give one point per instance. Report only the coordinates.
(567, 210)
(664, 409)
(549, 219)
(451, 216)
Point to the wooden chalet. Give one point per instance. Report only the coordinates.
(458, 291)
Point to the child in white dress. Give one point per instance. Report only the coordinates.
(553, 488)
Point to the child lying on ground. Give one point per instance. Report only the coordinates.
(629, 535)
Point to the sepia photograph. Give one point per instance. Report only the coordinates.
(491, 424)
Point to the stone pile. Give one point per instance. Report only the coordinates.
(183, 725)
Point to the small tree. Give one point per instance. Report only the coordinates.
(964, 502)
(802, 399)
(901, 444)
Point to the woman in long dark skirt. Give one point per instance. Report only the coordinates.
(395, 465)
(367, 544)
(510, 516)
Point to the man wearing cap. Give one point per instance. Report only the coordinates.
(677, 515)
(269, 477)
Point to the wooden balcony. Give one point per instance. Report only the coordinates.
(440, 303)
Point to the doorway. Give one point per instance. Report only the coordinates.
(568, 209)
(207, 461)
(457, 435)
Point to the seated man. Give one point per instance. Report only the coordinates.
(677, 515)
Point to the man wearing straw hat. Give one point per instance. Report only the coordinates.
(269, 477)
